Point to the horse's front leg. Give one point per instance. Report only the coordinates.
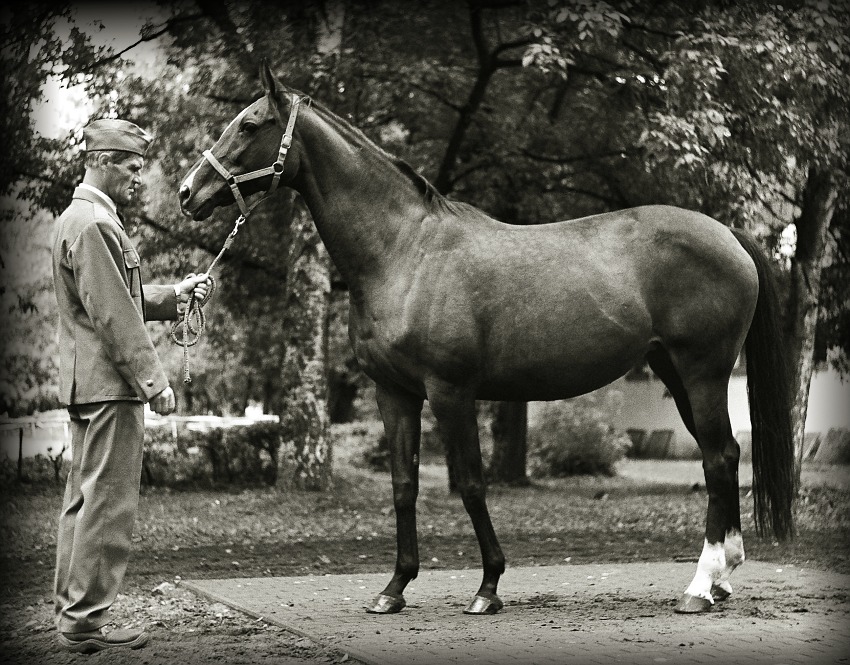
(401, 413)
(458, 427)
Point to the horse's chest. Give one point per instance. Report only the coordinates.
(382, 348)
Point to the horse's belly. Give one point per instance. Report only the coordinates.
(557, 357)
(548, 378)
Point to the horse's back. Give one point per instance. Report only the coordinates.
(556, 310)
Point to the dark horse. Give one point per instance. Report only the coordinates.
(450, 305)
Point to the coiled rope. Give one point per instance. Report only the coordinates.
(194, 322)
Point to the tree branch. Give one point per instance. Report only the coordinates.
(517, 43)
(588, 193)
(656, 63)
(502, 63)
(463, 174)
(552, 159)
(213, 248)
(436, 95)
(149, 37)
(631, 25)
(216, 10)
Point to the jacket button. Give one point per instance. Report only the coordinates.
(149, 382)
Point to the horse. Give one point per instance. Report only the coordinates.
(450, 305)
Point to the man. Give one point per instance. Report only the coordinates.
(108, 369)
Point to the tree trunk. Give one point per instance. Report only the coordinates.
(342, 392)
(304, 461)
(804, 296)
(510, 443)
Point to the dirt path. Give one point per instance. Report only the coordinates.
(557, 614)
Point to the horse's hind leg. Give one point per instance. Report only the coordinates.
(723, 549)
(733, 545)
(401, 413)
(454, 410)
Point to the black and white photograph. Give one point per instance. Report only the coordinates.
(425, 332)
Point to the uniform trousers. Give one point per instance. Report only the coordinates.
(98, 511)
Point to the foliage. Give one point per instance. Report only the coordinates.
(244, 455)
(37, 471)
(575, 437)
(28, 337)
(532, 111)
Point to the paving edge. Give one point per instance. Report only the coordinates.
(353, 653)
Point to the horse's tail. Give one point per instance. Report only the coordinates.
(769, 391)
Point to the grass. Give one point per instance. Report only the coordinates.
(651, 510)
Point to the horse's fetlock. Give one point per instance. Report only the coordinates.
(495, 565)
(408, 570)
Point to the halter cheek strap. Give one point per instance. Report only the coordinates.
(275, 170)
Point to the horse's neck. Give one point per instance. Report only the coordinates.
(359, 199)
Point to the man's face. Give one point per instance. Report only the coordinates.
(123, 179)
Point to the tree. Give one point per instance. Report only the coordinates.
(741, 111)
(179, 107)
(566, 109)
(758, 101)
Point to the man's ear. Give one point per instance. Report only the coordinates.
(104, 159)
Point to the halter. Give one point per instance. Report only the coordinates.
(193, 321)
(275, 170)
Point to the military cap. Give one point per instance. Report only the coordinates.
(114, 134)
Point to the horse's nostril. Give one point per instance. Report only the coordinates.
(184, 193)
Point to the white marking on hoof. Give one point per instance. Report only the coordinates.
(711, 563)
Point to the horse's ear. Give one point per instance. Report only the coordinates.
(270, 83)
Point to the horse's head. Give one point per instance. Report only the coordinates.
(252, 154)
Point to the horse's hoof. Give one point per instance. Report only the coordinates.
(719, 592)
(689, 604)
(384, 604)
(484, 605)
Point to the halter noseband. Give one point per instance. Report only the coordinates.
(275, 170)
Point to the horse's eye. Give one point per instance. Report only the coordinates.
(249, 127)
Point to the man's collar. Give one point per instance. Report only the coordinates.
(106, 200)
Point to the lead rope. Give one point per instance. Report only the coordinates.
(194, 322)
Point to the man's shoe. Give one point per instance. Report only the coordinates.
(98, 640)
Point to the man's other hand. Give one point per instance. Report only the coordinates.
(164, 403)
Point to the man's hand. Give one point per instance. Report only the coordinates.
(194, 285)
(164, 403)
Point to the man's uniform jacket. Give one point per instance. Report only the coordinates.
(105, 351)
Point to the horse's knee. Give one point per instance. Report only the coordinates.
(405, 493)
(472, 491)
(732, 453)
(720, 471)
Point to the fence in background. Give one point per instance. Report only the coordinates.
(49, 433)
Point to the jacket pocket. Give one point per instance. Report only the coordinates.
(134, 272)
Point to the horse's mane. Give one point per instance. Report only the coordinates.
(430, 195)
